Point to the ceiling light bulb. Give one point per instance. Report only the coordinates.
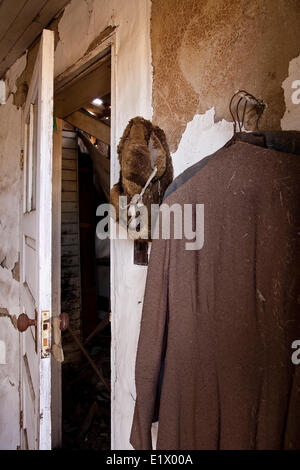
(97, 102)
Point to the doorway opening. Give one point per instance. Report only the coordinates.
(83, 114)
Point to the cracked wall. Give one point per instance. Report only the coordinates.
(10, 138)
(204, 51)
(80, 27)
(132, 82)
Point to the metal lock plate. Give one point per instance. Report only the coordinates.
(46, 334)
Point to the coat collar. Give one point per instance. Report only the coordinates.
(282, 141)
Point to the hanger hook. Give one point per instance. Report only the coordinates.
(258, 105)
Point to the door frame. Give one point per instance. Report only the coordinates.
(83, 64)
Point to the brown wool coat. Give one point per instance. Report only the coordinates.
(225, 316)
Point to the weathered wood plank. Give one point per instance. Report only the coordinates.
(69, 229)
(69, 134)
(69, 196)
(69, 239)
(67, 126)
(69, 186)
(69, 207)
(69, 250)
(71, 283)
(75, 95)
(69, 175)
(70, 154)
(70, 272)
(90, 125)
(71, 305)
(70, 260)
(69, 143)
(69, 164)
(8, 14)
(20, 27)
(70, 217)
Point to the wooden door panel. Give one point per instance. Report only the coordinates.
(36, 230)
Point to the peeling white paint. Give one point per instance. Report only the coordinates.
(202, 136)
(291, 118)
(2, 92)
(14, 72)
(9, 396)
(10, 135)
(2, 352)
(81, 23)
(10, 138)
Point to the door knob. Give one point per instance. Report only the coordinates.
(24, 322)
(64, 321)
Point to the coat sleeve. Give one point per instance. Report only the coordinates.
(151, 344)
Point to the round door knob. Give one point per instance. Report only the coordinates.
(24, 322)
(64, 321)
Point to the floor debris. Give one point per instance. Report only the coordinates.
(86, 402)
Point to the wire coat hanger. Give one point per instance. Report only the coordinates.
(258, 106)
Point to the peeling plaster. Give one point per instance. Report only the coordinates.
(291, 118)
(69, 47)
(10, 138)
(204, 51)
(16, 270)
(10, 187)
(133, 96)
(9, 393)
(23, 80)
(14, 72)
(193, 117)
(2, 352)
(202, 136)
(4, 313)
(3, 263)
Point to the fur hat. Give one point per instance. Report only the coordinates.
(142, 150)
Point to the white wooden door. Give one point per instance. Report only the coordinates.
(36, 232)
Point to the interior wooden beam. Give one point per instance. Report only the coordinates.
(74, 95)
(90, 125)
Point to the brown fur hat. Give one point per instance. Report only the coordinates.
(142, 147)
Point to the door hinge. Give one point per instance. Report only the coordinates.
(21, 419)
(22, 159)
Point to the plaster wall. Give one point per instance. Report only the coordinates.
(131, 96)
(78, 27)
(202, 52)
(10, 138)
